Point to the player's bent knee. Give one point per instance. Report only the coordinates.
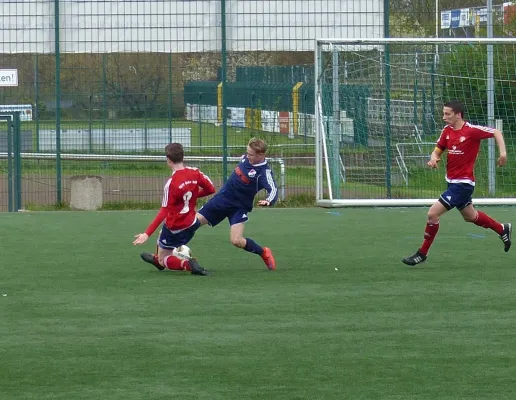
(469, 218)
(162, 254)
(432, 219)
(237, 241)
(201, 219)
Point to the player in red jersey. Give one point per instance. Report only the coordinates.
(180, 196)
(462, 140)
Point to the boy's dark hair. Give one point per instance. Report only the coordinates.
(175, 152)
(456, 106)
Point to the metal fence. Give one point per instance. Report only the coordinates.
(107, 78)
(112, 78)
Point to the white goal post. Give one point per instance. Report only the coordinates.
(378, 112)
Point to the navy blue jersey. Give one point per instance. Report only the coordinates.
(247, 180)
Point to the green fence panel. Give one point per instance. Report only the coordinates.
(276, 74)
(201, 92)
(353, 100)
(262, 96)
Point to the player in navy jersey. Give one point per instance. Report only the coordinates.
(180, 196)
(462, 141)
(234, 200)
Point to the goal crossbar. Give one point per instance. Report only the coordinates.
(432, 41)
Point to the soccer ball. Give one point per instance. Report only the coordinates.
(183, 252)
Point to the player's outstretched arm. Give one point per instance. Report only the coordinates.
(502, 158)
(142, 237)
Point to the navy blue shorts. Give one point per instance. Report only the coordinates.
(169, 241)
(218, 208)
(457, 195)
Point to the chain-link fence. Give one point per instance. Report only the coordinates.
(120, 79)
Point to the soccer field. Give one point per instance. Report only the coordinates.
(82, 317)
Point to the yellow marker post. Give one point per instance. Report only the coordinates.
(219, 103)
(295, 106)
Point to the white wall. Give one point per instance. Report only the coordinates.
(106, 26)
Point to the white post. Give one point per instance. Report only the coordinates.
(324, 145)
(317, 121)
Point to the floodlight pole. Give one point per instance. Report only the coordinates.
(58, 102)
(436, 29)
(387, 63)
(491, 166)
(336, 128)
(223, 79)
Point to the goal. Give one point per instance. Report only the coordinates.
(378, 114)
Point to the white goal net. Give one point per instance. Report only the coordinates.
(378, 111)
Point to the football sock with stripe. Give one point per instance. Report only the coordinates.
(430, 233)
(252, 247)
(485, 221)
(176, 264)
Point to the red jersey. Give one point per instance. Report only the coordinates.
(463, 146)
(180, 196)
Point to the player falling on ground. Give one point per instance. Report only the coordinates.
(180, 196)
(462, 140)
(234, 200)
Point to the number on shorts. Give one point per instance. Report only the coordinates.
(186, 197)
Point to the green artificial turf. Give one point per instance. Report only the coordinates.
(82, 317)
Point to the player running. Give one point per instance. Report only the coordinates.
(462, 140)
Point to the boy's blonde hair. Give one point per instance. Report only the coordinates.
(258, 145)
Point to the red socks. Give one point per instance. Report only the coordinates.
(176, 264)
(485, 221)
(430, 233)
